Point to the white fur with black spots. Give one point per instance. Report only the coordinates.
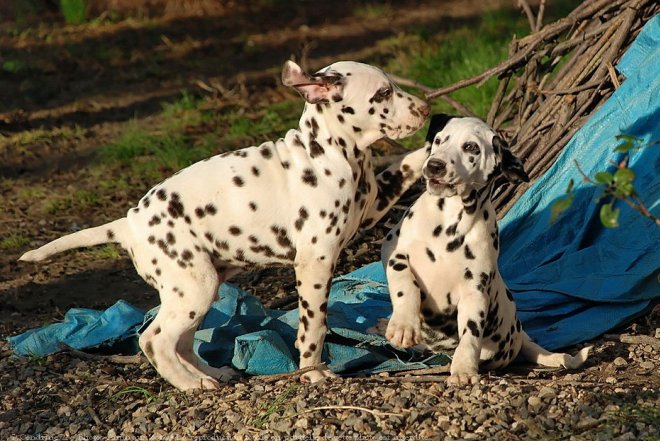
(295, 201)
(441, 258)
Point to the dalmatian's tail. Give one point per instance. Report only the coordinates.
(536, 354)
(111, 232)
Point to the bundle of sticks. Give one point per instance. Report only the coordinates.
(554, 79)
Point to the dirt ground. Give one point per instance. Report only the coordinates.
(97, 78)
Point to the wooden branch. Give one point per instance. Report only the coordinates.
(539, 15)
(119, 359)
(528, 12)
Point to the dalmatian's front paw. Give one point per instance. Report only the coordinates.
(317, 375)
(404, 332)
(462, 373)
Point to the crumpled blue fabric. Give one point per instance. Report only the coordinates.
(82, 329)
(572, 280)
(240, 331)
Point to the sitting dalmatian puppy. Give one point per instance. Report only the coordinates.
(441, 259)
(295, 201)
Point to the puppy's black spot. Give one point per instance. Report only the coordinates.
(149, 351)
(474, 328)
(309, 177)
(455, 244)
(468, 252)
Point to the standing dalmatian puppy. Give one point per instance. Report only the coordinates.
(441, 259)
(296, 201)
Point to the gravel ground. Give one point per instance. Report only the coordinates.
(75, 396)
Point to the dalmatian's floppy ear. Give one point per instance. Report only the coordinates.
(438, 123)
(512, 167)
(314, 89)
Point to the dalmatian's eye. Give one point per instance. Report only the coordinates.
(385, 92)
(471, 147)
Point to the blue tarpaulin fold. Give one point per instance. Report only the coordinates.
(572, 280)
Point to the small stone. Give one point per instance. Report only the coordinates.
(547, 393)
(611, 380)
(620, 361)
(481, 417)
(534, 402)
(586, 422)
(646, 365)
(302, 423)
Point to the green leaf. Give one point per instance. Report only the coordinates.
(603, 177)
(629, 143)
(559, 206)
(624, 147)
(609, 216)
(622, 179)
(570, 186)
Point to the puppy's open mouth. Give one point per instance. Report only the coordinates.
(440, 188)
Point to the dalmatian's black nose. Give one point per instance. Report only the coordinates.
(436, 168)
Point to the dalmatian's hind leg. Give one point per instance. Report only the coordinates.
(186, 296)
(199, 367)
(404, 327)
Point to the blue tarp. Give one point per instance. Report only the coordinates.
(575, 279)
(572, 280)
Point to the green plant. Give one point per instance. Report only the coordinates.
(616, 185)
(14, 241)
(108, 251)
(36, 359)
(56, 205)
(135, 390)
(14, 66)
(274, 406)
(73, 10)
(87, 199)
